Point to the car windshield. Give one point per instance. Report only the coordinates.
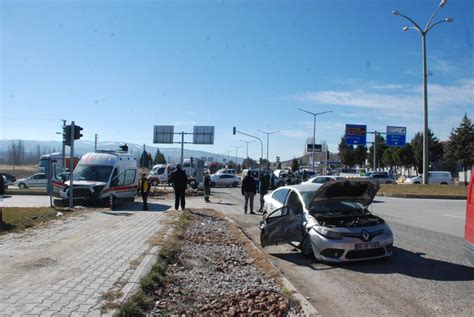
(307, 197)
(96, 173)
(336, 208)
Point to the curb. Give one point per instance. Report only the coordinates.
(143, 268)
(19, 192)
(306, 306)
(420, 196)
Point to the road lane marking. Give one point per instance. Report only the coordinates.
(454, 216)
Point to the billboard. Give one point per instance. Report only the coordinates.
(163, 134)
(356, 134)
(203, 134)
(310, 148)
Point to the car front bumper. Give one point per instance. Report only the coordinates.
(344, 250)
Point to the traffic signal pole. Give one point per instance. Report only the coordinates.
(71, 169)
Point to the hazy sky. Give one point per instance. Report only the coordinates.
(119, 67)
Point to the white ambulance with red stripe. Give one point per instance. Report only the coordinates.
(101, 176)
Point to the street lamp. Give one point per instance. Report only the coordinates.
(314, 130)
(424, 33)
(268, 140)
(248, 145)
(236, 154)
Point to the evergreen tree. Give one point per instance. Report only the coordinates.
(159, 158)
(381, 146)
(435, 150)
(295, 165)
(360, 155)
(346, 153)
(460, 147)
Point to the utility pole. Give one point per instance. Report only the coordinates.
(64, 145)
(247, 155)
(268, 139)
(375, 133)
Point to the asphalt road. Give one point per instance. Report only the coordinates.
(427, 275)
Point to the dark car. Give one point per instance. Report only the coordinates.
(10, 178)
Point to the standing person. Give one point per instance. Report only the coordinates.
(144, 188)
(207, 187)
(263, 186)
(179, 180)
(249, 188)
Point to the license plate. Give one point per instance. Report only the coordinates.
(366, 246)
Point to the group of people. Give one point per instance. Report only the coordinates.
(179, 181)
(250, 187)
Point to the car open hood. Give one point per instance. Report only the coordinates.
(358, 190)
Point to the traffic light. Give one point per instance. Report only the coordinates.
(278, 159)
(327, 155)
(234, 131)
(192, 161)
(77, 132)
(67, 135)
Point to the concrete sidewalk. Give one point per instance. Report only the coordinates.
(64, 267)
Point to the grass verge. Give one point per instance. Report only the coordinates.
(19, 218)
(142, 301)
(428, 190)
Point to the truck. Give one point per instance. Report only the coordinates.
(46, 161)
(105, 177)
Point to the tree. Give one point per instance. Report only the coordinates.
(380, 144)
(460, 147)
(387, 157)
(295, 165)
(435, 150)
(145, 160)
(159, 158)
(360, 155)
(346, 153)
(405, 156)
(249, 163)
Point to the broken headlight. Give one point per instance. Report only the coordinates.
(328, 233)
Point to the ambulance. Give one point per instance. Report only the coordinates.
(106, 177)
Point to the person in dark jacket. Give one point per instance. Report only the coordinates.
(263, 186)
(249, 188)
(207, 187)
(179, 180)
(144, 188)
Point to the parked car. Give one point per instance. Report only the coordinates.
(322, 179)
(230, 171)
(330, 221)
(382, 178)
(36, 180)
(224, 180)
(434, 178)
(10, 178)
(469, 227)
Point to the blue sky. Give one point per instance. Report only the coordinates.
(119, 67)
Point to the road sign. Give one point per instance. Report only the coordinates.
(203, 134)
(396, 136)
(310, 148)
(163, 134)
(356, 134)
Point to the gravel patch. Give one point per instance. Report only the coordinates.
(215, 275)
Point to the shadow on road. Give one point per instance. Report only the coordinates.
(138, 206)
(402, 262)
(415, 264)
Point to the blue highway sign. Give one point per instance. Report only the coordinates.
(396, 136)
(356, 134)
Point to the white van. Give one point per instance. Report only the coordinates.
(434, 178)
(101, 176)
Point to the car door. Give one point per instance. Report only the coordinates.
(277, 199)
(58, 179)
(281, 226)
(33, 181)
(42, 180)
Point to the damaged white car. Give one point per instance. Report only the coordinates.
(331, 221)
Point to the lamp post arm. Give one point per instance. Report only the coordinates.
(434, 24)
(413, 22)
(427, 27)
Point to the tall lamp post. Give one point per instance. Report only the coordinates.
(236, 154)
(268, 140)
(247, 155)
(424, 33)
(314, 131)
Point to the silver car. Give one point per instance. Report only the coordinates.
(224, 180)
(330, 221)
(36, 180)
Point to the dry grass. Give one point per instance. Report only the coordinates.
(16, 218)
(435, 190)
(20, 171)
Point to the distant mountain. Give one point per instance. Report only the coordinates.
(82, 146)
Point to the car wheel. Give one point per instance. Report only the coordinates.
(416, 183)
(443, 183)
(388, 182)
(155, 183)
(235, 184)
(22, 185)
